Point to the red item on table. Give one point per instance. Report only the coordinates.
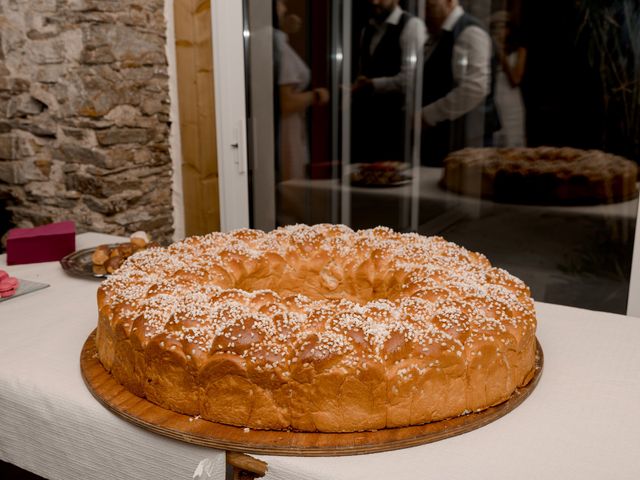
(46, 243)
(8, 285)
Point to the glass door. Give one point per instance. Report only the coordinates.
(471, 123)
(333, 129)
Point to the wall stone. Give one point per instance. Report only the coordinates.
(84, 115)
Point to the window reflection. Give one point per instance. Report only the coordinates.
(511, 127)
(294, 94)
(512, 57)
(459, 81)
(388, 46)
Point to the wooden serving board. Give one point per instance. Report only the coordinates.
(268, 442)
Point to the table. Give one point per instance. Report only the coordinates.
(50, 424)
(431, 198)
(580, 422)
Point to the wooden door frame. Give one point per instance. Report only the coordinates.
(205, 53)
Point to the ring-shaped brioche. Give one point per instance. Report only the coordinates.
(541, 175)
(317, 329)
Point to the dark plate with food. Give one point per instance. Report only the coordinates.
(380, 174)
(101, 261)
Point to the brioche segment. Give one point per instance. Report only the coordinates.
(317, 329)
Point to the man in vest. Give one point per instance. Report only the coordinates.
(458, 78)
(390, 43)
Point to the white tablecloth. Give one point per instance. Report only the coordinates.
(580, 422)
(49, 422)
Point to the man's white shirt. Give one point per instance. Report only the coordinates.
(412, 40)
(471, 66)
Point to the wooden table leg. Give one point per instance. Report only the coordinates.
(246, 467)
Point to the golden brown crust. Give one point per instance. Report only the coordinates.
(542, 175)
(317, 328)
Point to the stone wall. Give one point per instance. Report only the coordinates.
(84, 115)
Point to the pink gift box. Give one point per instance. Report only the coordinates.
(46, 243)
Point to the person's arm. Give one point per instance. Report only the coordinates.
(471, 65)
(517, 71)
(292, 101)
(412, 42)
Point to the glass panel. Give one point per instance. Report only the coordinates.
(511, 127)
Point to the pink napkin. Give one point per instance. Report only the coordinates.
(46, 243)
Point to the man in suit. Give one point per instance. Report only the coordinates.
(458, 83)
(389, 45)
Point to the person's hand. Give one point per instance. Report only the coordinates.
(424, 125)
(291, 24)
(320, 96)
(362, 86)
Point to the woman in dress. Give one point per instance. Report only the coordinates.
(295, 97)
(508, 96)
